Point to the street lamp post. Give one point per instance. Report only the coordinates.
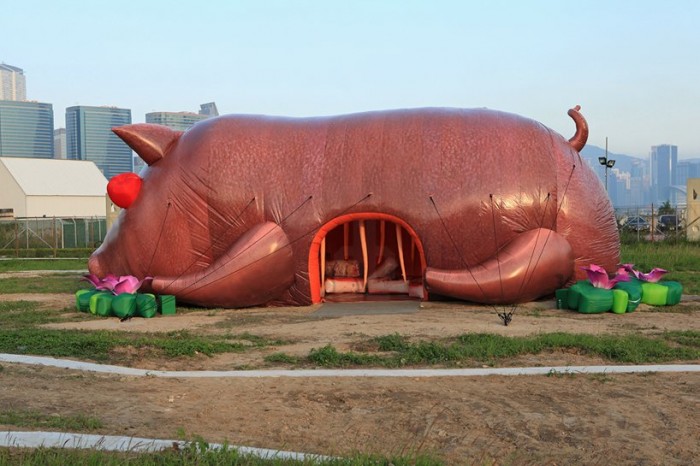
(606, 163)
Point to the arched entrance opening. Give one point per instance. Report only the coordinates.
(364, 256)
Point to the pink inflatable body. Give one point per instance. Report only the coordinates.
(478, 205)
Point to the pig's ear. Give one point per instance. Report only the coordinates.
(150, 142)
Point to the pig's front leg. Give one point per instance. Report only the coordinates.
(256, 269)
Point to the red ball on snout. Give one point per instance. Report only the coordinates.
(124, 189)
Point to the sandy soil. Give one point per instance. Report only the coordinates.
(573, 419)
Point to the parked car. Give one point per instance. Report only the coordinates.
(636, 224)
(669, 223)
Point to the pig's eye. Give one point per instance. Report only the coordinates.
(124, 189)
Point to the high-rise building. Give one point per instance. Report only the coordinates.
(664, 160)
(26, 129)
(639, 183)
(13, 85)
(59, 143)
(687, 169)
(209, 109)
(180, 121)
(89, 136)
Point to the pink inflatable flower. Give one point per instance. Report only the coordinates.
(128, 284)
(652, 277)
(106, 283)
(599, 278)
(117, 285)
(622, 271)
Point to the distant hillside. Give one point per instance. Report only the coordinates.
(622, 161)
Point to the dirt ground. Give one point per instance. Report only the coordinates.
(651, 418)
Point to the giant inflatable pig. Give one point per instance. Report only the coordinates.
(244, 210)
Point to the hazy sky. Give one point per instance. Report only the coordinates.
(633, 66)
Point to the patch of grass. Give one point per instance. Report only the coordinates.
(281, 358)
(98, 345)
(393, 342)
(183, 343)
(17, 265)
(685, 338)
(56, 283)
(17, 314)
(22, 314)
(328, 356)
(486, 349)
(20, 334)
(93, 346)
(181, 433)
(680, 258)
(17, 306)
(197, 453)
(38, 420)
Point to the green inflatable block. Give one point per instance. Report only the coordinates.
(124, 305)
(620, 299)
(675, 291)
(146, 305)
(101, 303)
(166, 304)
(562, 298)
(574, 294)
(587, 299)
(654, 294)
(634, 291)
(82, 299)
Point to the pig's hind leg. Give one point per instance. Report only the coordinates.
(534, 264)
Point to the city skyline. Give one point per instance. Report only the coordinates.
(189, 117)
(89, 137)
(625, 63)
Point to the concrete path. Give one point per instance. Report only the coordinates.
(131, 444)
(120, 370)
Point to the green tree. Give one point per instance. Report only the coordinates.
(667, 209)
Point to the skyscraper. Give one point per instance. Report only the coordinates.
(59, 143)
(179, 121)
(664, 160)
(182, 121)
(13, 85)
(89, 136)
(26, 129)
(639, 183)
(209, 109)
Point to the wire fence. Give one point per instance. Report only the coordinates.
(648, 224)
(17, 235)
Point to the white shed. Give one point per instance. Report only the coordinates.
(52, 187)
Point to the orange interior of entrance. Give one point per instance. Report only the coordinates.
(340, 242)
